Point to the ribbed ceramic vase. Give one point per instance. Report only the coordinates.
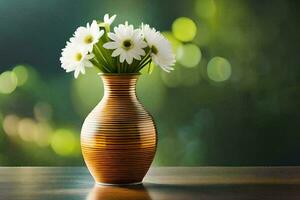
(118, 137)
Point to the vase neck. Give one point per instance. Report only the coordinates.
(120, 85)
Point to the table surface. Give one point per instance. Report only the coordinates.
(205, 183)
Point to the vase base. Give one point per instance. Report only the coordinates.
(117, 184)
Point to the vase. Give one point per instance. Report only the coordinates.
(119, 137)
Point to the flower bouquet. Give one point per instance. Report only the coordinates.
(125, 50)
(118, 137)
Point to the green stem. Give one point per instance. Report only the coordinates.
(116, 63)
(141, 67)
(100, 54)
(106, 69)
(149, 68)
(144, 58)
(126, 67)
(119, 67)
(101, 59)
(97, 64)
(104, 51)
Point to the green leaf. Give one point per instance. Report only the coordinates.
(150, 67)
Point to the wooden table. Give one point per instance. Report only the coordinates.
(204, 183)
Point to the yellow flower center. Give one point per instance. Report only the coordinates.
(154, 50)
(78, 56)
(127, 44)
(88, 39)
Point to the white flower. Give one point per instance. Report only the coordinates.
(109, 20)
(161, 50)
(75, 58)
(87, 36)
(127, 42)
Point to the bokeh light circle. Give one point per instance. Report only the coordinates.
(63, 142)
(218, 69)
(21, 73)
(184, 29)
(43, 137)
(8, 82)
(205, 8)
(10, 124)
(174, 42)
(189, 55)
(27, 129)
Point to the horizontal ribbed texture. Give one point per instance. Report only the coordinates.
(118, 138)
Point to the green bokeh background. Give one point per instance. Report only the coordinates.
(233, 98)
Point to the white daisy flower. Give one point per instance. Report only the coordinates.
(127, 42)
(109, 20)
(87, 36)
(75, 58)
(161, 49)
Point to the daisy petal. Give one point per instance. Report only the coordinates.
(163, 55)
(116, 52)
(110, 45)
(76, 74)
(127, 43)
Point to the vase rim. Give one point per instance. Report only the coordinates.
(119, 74)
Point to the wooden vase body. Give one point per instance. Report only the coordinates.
(118, 137)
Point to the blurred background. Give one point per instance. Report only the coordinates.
(233, 98)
